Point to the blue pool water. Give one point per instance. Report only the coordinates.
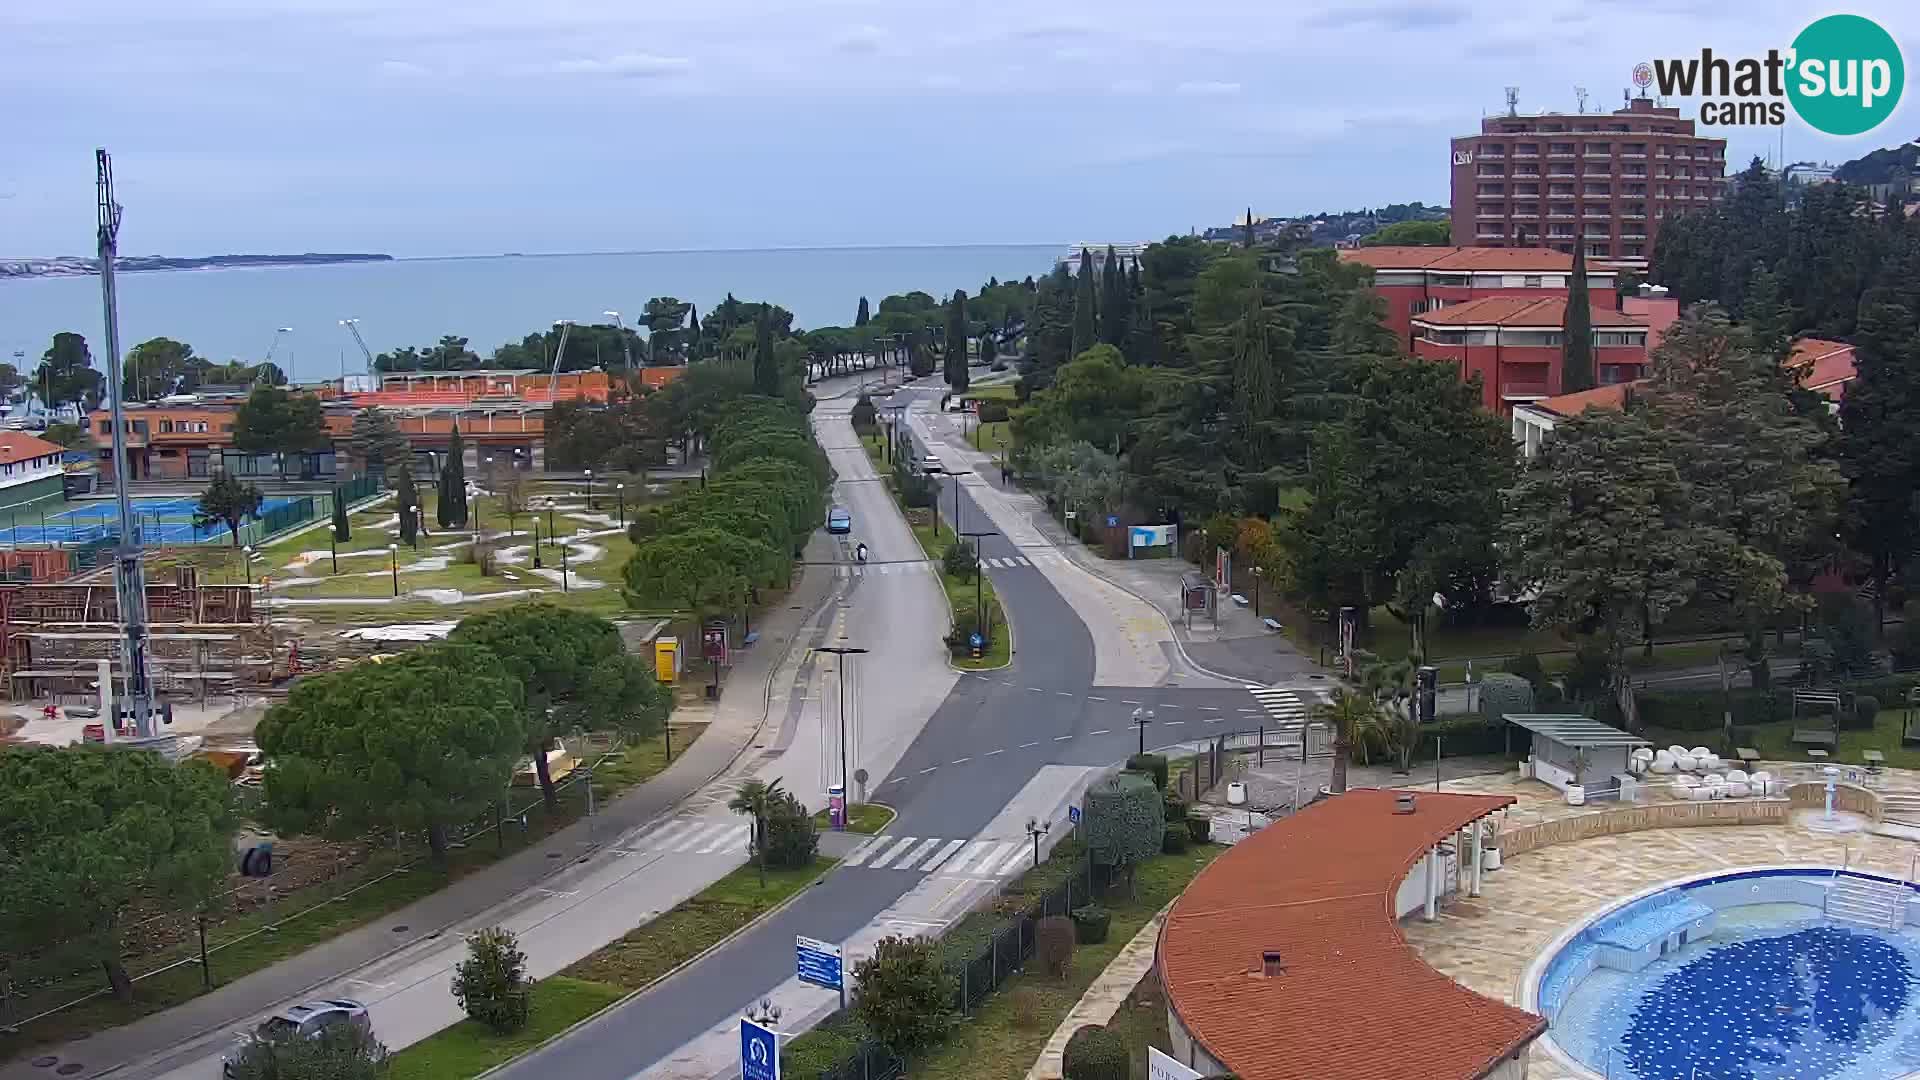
(1775, 991)
(162, 521)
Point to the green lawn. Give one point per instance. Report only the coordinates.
(866, 818)
(1004, 1037)
(1775, 741)
(992, 437)
(999, 651)
(1142, 1021)
(319, 913)
(696, 924)
(466, 1049)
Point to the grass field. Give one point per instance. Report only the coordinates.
(466, 1049)
(1000, 650)
(868, 818)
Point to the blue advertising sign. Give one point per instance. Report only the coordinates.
(759, 1052)
(818, 962)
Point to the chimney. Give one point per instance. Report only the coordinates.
(1403, 803)
(1270, 965)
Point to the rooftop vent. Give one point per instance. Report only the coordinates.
(1403, 803)
(1270, 964)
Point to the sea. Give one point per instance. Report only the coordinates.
(237, 313)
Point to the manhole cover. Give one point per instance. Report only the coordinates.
(69, 1068)
(45, 1061)
(401, 929)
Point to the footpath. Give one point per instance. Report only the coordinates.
(736, 723)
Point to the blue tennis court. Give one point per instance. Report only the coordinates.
(161, 521)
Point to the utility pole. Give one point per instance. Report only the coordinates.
(842, 652)
(626, 346)
(129, 581)
(979, 600)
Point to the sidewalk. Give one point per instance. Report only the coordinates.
(737, 721)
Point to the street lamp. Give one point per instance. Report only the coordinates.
(956, 475)
(620, 492)
(393, 564)
(979, 602)
(1035, 830)
(626, 349)
(536, 540)
(246, 562)
(842, 652)
(590, 489)
(1257, 574)
(563, 568)
(1141, 718)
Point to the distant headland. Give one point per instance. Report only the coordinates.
(78, 266)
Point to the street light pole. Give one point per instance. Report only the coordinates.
(842, 652)
(589, 490)
(979, 598)
(956, 503)
(246, 562)
(626, 346)
(393, 563)
(1141, 718)
(620, 492)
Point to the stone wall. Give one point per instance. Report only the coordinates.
(1666, 815)
(1849, 797)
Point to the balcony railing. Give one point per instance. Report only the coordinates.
(1526, 153)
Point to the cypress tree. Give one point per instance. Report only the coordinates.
(1576, 357)
(452, 509)
(408, 500)
(1083, 306)
(766, 370)
(861, 317)
(955, 362)
(1248, 232)
(342, 532)
(1114, 314)
(693, 333)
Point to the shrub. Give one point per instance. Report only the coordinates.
(1199, 829)
(994, 410)
(1174, 840)
(864, 414)
(792, 837)
(1124, 820)
(958, 561)
(1053, 944)
(1096, 1053)
(341, 1052)
(491, 984)
(1156, 764)
(1527, 666)
(1090, 923)
(1026, 1003)
(905, 992)
(1173, 808)
(1503, 692)
(1865, 710)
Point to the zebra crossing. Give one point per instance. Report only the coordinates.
(1286, 707)
(926, 566)
(948, 858)
(692, 836)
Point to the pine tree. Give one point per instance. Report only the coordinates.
(1576, 363)
(1880, 423)
(861, 317)
(1083, 306)
(766, 369)
(452, 508)
(342, 532)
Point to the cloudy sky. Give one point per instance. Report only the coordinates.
(479, 126)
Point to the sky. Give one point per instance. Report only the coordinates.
(485, 126)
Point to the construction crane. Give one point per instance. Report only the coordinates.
(129, 581)
(353, 327)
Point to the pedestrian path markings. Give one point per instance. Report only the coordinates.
(1284, 706)
(921, 566)
(693, 836)
(949, 858)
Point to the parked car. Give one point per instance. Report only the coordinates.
(839, 521)
(300, 1022)
(931, 464)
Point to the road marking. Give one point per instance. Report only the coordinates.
(1061, 738)
(1063, 693)
(1036, 690)
(1020, 851)
(1249, 710)
(1216, 720)
(1092, 698)
(960, 761)
(1025, 745)
(1171, 723)
(1169, 706)
(898, 780)
(942, 855)
(916, 855)
(868, 847)
(990, 753)
(1003, 682)
(1209, 708)
(978, 850)
(726, 839)
(924, 772)
(1128, 701)
(882, 857)
(1102, 731)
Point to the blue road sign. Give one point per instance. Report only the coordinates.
(759, 1052)
(1073, 814)
(1113, 520)
(818, 962)
(976, 640)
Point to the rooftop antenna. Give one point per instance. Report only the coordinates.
(129, 582)
(1580, 93)
(1513, 101)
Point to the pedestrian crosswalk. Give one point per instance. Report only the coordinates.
(1284, 707)
(692, 836)
(948, 858)
(923, 566)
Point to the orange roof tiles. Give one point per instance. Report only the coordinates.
(1460, 259)
(1822, 365)
(1610, 398)
(1355, 1002)
(1546, 313)
(18, 446)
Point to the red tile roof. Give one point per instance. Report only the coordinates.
(1459, 259)
(18, 446)
(1611, 398)
(1822, 365)
(1355, 1002)
(1545, 313)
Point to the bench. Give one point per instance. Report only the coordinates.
(1816, 737)
(1239, 600)
(1271, 624)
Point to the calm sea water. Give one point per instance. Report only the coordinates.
(232, 314)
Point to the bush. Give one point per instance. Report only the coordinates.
(1053, 944)
(1173, 808)
(1096, 1053)
(341, 1052)
(993, 410)
(958, 562)
(792, 837)
(1026, 1003)
(1865, 710)
(1155, 764)
(864, 414)
(1503, 692)
(491, 983)
(905, 993)
(1174, 840)
(1527, 666)
(1199, 829)
(1124, 820)
(1090, 924)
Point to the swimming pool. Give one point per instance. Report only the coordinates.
(161, 521)
(1782, 973)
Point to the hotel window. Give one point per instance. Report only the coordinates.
(1617, 337)
(1532, 281)
(166, 427)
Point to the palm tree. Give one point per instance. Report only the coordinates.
(1355, 720)
(757, 798)
(1391, 685)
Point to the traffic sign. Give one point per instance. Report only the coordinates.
(818, 962)
(1113, 520)
(759, 1052)
(976, 640)
(1073, 815)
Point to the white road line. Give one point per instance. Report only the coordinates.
(958, 864)
(1025, 745)
(1209, 708)
(1216, 720)
(942, 855)
(1012, 861)
(1092, 698)
(990, 753)
(1036, 690)
(924, 772)
(960, 761)
(659, 838)
(1063, 693)
(868, 847)
(1128, 701)
(898, 780)
(1165, 706)
(692, 838)
(886, 855)
(1172, 722)
(916, 855)
(1061, 738)
(727, 838)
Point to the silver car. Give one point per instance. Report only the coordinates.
(300, 1022)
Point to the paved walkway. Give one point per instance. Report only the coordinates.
(737, 720)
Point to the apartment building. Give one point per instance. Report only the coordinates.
(1602, 180)
(1516, 346)
(1416, 280)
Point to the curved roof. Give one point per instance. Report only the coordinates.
(1354, 1001)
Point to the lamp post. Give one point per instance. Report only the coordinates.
(246, 562)
(1257, 574)
(620, 492)
(563, 568)
(979, 600)
(626, 344)
(956, 503)
(1141, 718)
(1035, 830)
(536, 540)
(842, 652)
(589, 489)
(393, 564)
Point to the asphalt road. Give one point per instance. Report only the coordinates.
(990, 735)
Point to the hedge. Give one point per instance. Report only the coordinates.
(1704, 710)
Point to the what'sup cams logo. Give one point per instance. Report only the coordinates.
(1843, 75)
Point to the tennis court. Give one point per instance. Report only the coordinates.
(161, 521)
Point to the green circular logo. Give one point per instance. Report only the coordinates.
(1847, 75)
